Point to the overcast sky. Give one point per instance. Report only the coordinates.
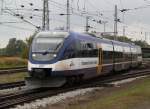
(136, 19)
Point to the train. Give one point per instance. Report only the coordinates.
(58, 57)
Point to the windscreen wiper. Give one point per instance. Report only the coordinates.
(46, 52)
(57, 46)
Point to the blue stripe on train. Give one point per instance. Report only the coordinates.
(59, 55)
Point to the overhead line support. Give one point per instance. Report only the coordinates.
(45, 20)
(68, 16)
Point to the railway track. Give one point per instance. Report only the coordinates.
(11, 85)
(12, 70)
(11, 100)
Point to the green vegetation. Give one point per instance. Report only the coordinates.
(12, 77)
(9, 62)
(129, 97)
(129, 40)
(17, 48)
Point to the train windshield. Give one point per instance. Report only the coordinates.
(43, 44)
(46, 48)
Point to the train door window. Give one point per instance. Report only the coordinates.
(94, 51)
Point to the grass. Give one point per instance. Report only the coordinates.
(12, 77)
(124, 98)
(9, 62)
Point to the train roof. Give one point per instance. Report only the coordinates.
(105, 40)
(99, 38)
(83, 36)
(52, 34)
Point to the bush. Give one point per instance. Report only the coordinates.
(6, 62)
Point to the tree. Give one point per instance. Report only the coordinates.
(128, 40)
(2, 52)
(141, 43)
(11, 47)
(20, 47)
(119, 38)
(24, 53)
(28, 43)
(15, 47)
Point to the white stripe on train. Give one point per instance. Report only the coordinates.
(73, 64)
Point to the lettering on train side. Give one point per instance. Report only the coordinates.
(72, 64)
(89, 62)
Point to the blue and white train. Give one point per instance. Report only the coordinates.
(57, 57)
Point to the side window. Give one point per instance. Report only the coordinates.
(70, 52)
(89, 45)
(88, 50)
(83, 49)
(94, 51)
(118, 53)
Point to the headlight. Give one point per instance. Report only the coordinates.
(54, 55)
(33, 55)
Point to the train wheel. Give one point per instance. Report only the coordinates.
(79, 78)
(74, 80)
(71, 80)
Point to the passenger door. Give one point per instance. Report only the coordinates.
(100, 61)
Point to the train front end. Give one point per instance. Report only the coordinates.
(45, 51)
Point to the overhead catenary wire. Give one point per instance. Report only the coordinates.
(63, 5)
(79, 12)
(73, 8)
(94, 14)
(17, 27)
(11, 22)
(24, 9)
(14, 14)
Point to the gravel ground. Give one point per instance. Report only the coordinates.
(42, 103)
(47, 103)
(6, 91)
(98, 93)
(117, 83)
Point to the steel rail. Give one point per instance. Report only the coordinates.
(11, 100)
(4, 71)
(11, 85)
